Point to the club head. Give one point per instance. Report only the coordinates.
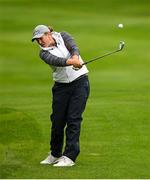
(121, 45)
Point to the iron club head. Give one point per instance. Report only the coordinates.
(121, 45)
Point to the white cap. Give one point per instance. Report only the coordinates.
(39, 31)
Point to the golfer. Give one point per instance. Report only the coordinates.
(70, 93)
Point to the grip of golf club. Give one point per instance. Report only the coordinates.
(76, 69)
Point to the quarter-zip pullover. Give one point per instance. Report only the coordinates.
(57, 56)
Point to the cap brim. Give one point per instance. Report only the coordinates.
(37, 36)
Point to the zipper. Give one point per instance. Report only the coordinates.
(65, 67)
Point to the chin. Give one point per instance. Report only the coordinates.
(45, 46)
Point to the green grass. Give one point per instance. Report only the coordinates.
(115, 138)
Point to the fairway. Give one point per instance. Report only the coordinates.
(115, 134)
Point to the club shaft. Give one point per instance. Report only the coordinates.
(100, 57)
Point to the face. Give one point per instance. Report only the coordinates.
(46, 40)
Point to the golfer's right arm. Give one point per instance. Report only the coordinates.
(59, 61)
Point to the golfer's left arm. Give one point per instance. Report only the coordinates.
(70, 45)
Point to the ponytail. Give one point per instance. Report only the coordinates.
(50, 28)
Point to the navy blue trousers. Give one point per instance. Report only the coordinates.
(69, 101)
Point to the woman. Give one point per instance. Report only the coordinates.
(70, 93)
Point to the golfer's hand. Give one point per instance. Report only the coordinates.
(74, 60)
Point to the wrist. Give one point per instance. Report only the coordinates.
(75, 56)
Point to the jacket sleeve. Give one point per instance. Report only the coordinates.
(70, 44)
(52, 60)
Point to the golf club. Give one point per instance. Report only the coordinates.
(121, 46)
